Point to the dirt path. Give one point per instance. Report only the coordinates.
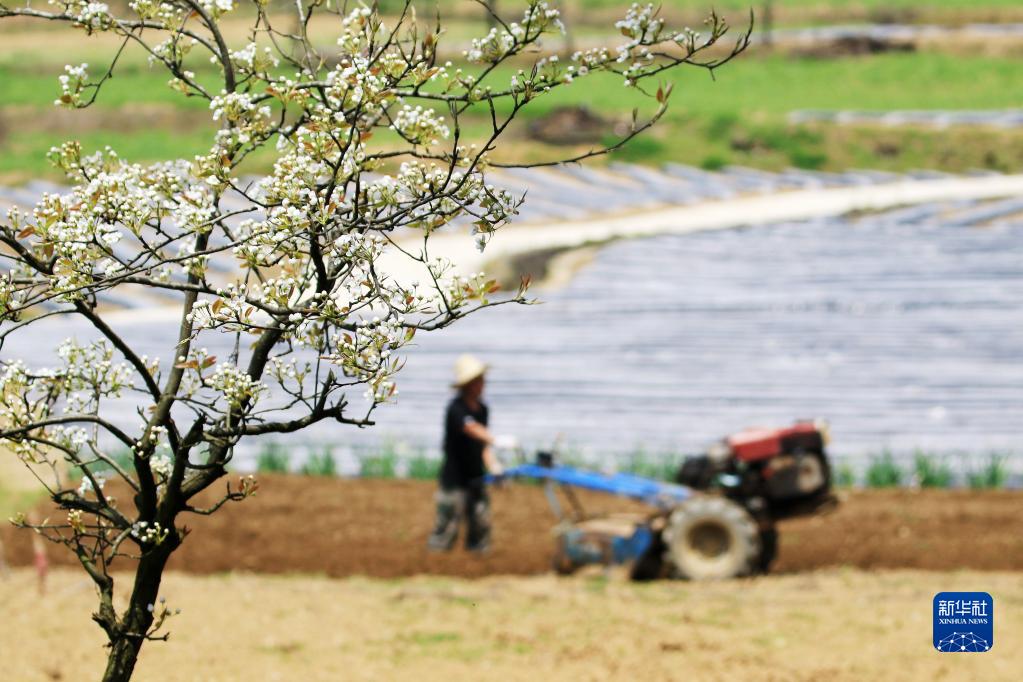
(378, 528)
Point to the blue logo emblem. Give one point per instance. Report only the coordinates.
(964, 622)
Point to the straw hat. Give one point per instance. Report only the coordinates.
(468, 368)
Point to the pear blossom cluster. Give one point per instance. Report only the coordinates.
(356, 29)
(367, 354)
(289, 373)
(194, 209)
(72, 82)
(149, 441)
(22, 411)
(358, 84)
(93, 16)
(14, 381)
(10, 295)
(65, 438)
(251, 59)
(172, 50)
(113, 200)
(147, 533)
(161, 465)
(234, 107)
(429, 197)
(236, 386)
(74, 520)
(217, 8)
(538, 19)
(166, 13)
(86, 486)
(89, 372)
(491, 48)
(244, 122)
(641, 24)
(420, 126)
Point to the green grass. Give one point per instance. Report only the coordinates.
(272, 459)
(884, 472)
(578, 7)
(379, 466)
(754, 86)
(321, 464)
(24, 154)
(931, 472)
(423, 468)
(738, 119)
(844, 476)
(814, 4)
(29, 82)
(658, 466)
(382, 463)
(994, 474)
(506, 6)
(741, 118)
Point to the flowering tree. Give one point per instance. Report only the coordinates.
(370, 159)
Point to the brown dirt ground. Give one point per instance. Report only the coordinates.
(839, 625)
(378, 528)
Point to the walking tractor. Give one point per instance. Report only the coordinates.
(717, 521)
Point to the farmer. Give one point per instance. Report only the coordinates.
(468, 455)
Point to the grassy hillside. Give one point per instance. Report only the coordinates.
(741, 117)
(786, 12)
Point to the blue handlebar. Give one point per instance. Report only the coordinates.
(655, 493)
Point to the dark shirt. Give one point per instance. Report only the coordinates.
(463, 455)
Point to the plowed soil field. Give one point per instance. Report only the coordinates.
(342, 527)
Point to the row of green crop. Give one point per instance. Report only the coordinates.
(881, 471)
(925, 471)
(389, 463)
(385, 464)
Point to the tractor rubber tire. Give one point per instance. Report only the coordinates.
(712, 538)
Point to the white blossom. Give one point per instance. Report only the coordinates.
(235, 385)
(420, 126)
(86, 486)
(148, 533)
(72, 83)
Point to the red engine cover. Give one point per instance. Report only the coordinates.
(755, 444)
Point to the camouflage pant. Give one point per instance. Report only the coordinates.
(454, 505)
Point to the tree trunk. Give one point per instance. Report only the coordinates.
(135, 622)
(121, 660)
